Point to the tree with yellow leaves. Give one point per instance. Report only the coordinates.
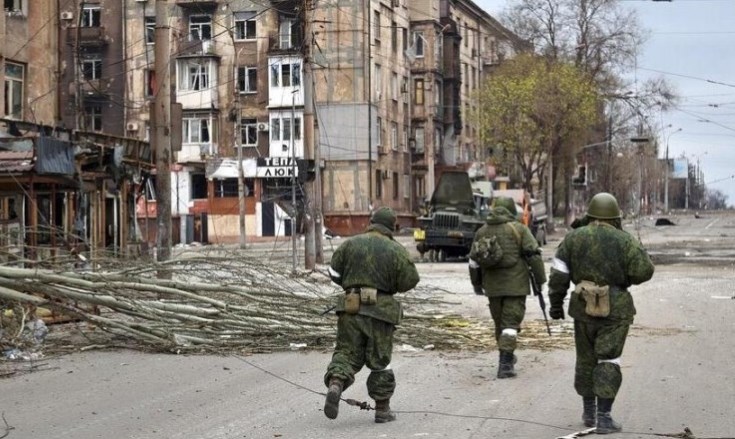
(534, 110)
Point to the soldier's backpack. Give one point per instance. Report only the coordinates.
(486, 251)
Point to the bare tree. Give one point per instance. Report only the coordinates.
(600, 38)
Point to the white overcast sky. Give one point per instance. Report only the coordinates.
(691, 44)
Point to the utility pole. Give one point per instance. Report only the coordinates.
(309, 192)
(240, 171)
(162, 133)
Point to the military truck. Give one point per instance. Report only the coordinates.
(453, 215)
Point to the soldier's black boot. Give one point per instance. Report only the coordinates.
(331, 405)
(383, 413)
(605, 422)
(505, 366)
(590, 411)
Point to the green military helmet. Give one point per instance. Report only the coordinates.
(384, 216)
(506, 202)
(603, 206)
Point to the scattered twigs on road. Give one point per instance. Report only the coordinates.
(8, 428)
(225, 303)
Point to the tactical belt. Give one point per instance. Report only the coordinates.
(357, 290)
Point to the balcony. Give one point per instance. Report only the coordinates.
(196, 152)
(284, 43)
(198, 5)
(418, 161)
(207, 98)
(198, 48)
(94, 89)
(87, 36)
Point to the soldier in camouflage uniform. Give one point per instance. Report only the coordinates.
(599, 252)
(372, 260)
(507, 283)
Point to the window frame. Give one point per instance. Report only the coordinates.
(280, 128)
(150, 30)
(288, 32)
(93, 73)
(14, 108)
(241, 26)
(248, 126)
(246, 85)
(200, 26)
(202, 129)
(418, 43)
(276, 74)
(93, 116)
(91, 16)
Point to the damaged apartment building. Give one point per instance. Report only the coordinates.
(393, 89)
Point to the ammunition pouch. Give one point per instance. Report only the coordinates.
(596, 298)
(352, 302)
(368, 296)
(354, 297)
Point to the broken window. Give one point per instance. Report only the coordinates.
(249, 132)
(195, 130)
(198, 186)
(200, 27)
(245, 26)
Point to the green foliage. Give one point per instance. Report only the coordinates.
(532, 107)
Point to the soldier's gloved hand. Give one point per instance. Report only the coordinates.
(478, 290)
(556, 312)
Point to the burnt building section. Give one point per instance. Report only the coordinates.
(92, 67)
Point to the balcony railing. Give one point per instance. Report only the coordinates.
(278, 42)
(199, 4)
(94, 88)
(87, 36)
(198, 48)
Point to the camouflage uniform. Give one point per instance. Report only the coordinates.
(507, 284)
(374, 260)
(601, 252)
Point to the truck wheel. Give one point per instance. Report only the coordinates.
(442, 257)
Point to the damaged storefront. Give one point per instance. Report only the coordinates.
(68, 197)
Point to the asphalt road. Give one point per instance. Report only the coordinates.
(677, 369)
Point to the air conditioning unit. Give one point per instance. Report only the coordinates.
(66, 15)
(262, 126)
(396, 3)
(132, 126)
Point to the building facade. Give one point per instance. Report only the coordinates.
(394, 83)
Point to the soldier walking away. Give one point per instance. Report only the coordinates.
(602, 261)
(500, 252)
(371, 268)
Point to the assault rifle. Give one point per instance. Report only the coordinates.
(537, 292)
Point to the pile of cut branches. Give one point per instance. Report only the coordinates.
(226, 302)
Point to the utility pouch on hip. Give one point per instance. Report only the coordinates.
(368, 296)
(596, 297)
(352, 302)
